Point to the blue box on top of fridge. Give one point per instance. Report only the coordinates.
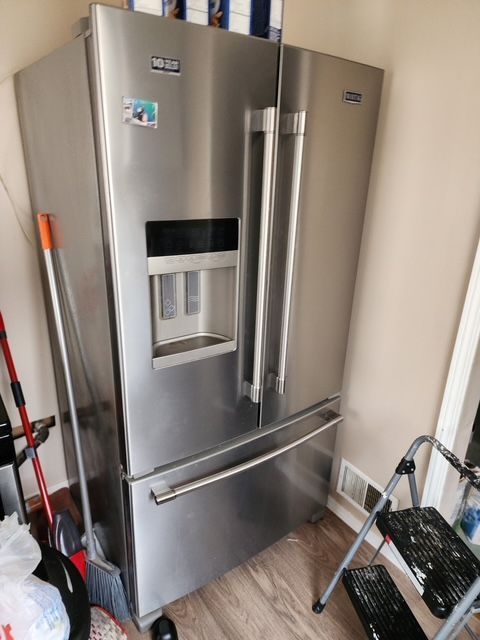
(195, 11)
(190, 10)
(174, 9)
(275, 21)
(147, 6)
(250, 17)
(262, 18)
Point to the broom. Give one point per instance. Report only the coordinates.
(104, 583)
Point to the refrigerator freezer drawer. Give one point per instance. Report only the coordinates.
(180, 545)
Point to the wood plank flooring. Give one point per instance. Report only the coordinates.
(270, 596)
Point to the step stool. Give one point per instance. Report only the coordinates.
(442, 568)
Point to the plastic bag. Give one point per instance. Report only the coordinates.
(19, 551)
(30, 609)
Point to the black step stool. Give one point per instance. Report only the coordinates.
(380, 605)
(443, 569)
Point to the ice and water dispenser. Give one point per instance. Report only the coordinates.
(194, 271)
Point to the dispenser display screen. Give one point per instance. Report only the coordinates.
(184, 237)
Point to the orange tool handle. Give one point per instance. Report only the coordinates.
(45, 231)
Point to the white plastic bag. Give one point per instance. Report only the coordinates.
(30, 609)
(19, 551)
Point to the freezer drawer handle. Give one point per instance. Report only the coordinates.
(291, 124)
(164, 493)
(263, 121)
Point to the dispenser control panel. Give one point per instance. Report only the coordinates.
(185, 237)
(193, 271)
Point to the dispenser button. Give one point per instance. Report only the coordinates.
(193, 292)
(169, 296)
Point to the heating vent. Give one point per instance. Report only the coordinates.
(358, 489)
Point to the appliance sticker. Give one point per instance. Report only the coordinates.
(352, 97)
(160, 64)
(140, 112)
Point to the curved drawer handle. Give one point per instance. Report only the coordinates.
(164, 493)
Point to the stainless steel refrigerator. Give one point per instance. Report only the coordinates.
(209, 191)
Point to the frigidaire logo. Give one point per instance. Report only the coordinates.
(159, 64)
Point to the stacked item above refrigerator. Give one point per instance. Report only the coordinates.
(262, 18)
(209, 190)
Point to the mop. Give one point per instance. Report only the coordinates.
(104, 583)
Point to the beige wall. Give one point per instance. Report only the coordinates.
(421, 228)
(422, 220)
(29, 29)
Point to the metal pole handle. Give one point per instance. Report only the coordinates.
(292, 124)
(48, 248)
(263, 121)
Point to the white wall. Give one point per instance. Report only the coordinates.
(422, 218)
(29, 29)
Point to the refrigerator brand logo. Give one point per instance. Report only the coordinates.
(352, 97)
(159, 64)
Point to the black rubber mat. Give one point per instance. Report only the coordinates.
(380, 606)
(439, 561)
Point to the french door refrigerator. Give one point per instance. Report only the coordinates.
(208, 189)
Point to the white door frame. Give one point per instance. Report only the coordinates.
(462, 391)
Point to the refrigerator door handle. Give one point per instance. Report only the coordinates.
(163, 493)
(291, 124)
(263, 121)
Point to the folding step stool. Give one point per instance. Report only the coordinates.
(443, 569)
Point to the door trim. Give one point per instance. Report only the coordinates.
(453, 430)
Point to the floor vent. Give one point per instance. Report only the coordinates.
(358, 489)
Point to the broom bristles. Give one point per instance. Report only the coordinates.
(105, 588)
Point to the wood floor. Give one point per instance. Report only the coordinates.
(270, 596)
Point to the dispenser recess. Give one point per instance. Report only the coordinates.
(193, 271)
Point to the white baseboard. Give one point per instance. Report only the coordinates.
(51, 489)
(374, 538)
